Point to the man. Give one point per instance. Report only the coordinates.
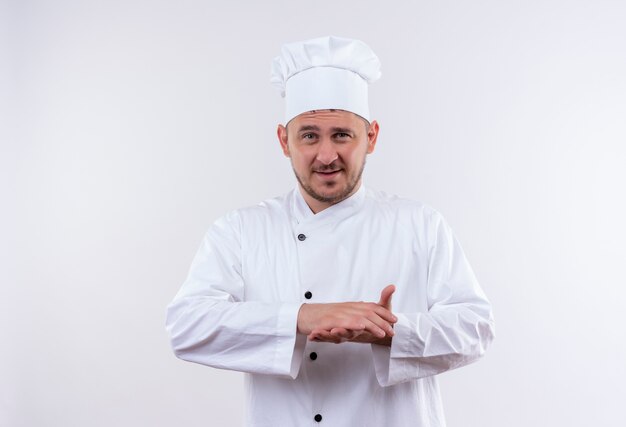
(302, 266)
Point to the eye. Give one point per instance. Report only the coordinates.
(308, 137)
(342, 135)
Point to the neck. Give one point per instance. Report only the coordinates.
(317, 206)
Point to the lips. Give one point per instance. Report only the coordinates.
(328, 174)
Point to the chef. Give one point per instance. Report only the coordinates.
(339, 302)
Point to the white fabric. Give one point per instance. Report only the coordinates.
(325, 73)
(238, 309)
(325, 88)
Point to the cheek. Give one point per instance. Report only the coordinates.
(303, 156)
(356, 156)
(299, 160)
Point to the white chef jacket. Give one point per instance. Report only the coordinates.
(238, 309)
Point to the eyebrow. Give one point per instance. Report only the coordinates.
(306, 128)
(342, 130)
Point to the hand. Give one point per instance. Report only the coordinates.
(341, 334)
(358, 317)
(338, 336)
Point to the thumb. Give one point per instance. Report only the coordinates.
(385, 296)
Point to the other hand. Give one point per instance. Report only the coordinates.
(339, 334)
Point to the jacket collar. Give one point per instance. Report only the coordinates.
(304, 215)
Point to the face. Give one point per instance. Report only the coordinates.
(327, 149)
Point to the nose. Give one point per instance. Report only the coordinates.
(327, 152)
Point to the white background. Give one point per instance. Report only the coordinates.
(128, 127)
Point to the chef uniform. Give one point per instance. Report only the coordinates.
(256, 266)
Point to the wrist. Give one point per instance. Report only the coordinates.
(303, 324)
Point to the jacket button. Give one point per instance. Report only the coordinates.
(308, 295)
(317, 418)
(301, 237)
(313, 355)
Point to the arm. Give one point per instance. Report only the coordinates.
(209, 322)
(456, 329)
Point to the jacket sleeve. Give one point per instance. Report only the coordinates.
(209, 322)
(458, 326)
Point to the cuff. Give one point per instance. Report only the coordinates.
(391, 364)
(290, 344)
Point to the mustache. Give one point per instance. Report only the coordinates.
(333, 167)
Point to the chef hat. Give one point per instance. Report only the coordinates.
(325, 73)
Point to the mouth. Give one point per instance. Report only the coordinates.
(328, 174)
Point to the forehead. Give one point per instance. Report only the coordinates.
(326, 119)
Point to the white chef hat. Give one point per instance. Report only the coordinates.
(325, 73)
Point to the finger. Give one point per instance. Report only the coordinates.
(384, 313)
(385, 296)
(324, 336)
(378, 327)
(342, 334)
(382, 323)
(366, 311)
(345, 334)
(317, 333)
(314, 335)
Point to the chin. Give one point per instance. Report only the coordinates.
(332, 195)
(333, 191)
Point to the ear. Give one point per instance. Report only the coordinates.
(282, 139)
(372, 136)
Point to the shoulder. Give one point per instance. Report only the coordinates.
(413, 216)
(264, 212)
(390, 203)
